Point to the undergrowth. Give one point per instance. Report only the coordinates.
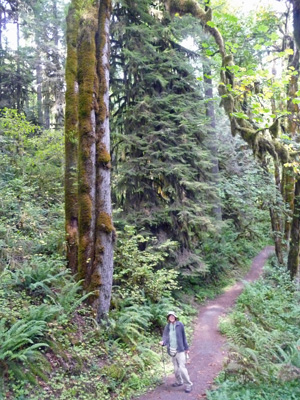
(51, 344)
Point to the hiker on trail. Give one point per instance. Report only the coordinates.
(175, 340)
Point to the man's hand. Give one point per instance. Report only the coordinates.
(161, 343)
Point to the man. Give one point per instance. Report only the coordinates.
(175, 340)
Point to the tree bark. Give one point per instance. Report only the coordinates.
(296, 15)
(59, 84)
(19, 87)
(39, 80)
(103, 263)
(95, 227)
(276, 218)
(293, 257)
(71, 142)
(293, 109)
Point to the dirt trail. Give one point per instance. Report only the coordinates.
(207, 351)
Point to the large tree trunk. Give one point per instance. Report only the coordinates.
(293, 258)
(296, 13)
(71, 142)
(276, 218)
(96, 231)
(293, 109)
(103, 263)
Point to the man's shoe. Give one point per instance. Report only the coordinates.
(188, 389)
(176, 384)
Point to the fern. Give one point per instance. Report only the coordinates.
(20, 347)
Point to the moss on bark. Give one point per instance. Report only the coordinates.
(104, 222)
(71, 140)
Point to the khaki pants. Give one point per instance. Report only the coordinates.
(181, 373)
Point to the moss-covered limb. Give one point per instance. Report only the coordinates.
(87, 142)
(293, 257)
(71, 140)
(192, 7)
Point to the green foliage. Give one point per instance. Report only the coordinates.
(136, 277)
(31, 217)
(37, 275)
(20, 348)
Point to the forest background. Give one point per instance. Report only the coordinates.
(204, 167)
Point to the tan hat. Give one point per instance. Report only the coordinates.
(171, 313)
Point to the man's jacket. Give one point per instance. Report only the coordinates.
(180, 336)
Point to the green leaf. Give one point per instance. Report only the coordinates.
(211, 24)
(239, 115)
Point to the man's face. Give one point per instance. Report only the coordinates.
(171, 318)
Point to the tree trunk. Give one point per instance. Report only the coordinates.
(293, 257)
(296, 14)
(276, 220)
(46, 103)
(96, 231)
(71, 142)
(39, 80)
(212, 137)
(59, 84)
(103, 264)
(293, 109)
(19, 87)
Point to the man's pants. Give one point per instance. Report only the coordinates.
(181, 373)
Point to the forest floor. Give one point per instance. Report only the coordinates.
(208, 350)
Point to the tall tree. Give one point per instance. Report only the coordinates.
(90, 64)
(162, 168)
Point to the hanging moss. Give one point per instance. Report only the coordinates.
(104, 222)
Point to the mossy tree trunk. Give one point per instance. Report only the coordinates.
(71, 141)
(276, 216)
(103, 262)
(293, 109)
(95, 227)
(293, 257)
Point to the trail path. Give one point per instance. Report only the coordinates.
(207, 352)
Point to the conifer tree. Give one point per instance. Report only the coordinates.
(162, 168)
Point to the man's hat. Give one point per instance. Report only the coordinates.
(171, 313)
